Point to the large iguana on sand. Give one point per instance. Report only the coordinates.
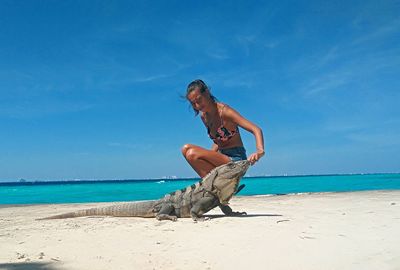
(215, 189)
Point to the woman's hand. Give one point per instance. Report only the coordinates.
(253, 158)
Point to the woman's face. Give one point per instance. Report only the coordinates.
(199, 101)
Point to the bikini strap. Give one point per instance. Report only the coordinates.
(220, 114)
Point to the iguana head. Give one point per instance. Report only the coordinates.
(226, 179)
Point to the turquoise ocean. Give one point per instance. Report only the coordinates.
(133, 190)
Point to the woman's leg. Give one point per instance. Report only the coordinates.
(203, 160)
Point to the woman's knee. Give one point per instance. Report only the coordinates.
(191, 154)
(185, 149)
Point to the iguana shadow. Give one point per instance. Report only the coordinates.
(28, 265)
(243, 216)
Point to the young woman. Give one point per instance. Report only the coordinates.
(222, 123)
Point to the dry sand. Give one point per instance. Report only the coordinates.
(358, 230)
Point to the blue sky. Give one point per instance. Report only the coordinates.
(91, 89)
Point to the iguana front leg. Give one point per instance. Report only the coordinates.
(202, 206)
(229, 212)
(165, 211)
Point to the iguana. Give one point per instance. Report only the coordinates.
(215, 189)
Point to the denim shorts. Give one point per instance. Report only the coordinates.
(235, 153)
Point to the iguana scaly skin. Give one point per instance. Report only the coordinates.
(215, 189)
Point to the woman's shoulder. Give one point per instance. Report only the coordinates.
(225, 108)
(227, 113)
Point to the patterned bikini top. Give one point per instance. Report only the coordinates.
(222, 133)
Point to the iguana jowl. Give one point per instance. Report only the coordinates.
(215, 189)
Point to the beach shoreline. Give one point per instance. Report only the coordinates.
(334, 230)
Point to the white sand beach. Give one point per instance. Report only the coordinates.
(355, 230)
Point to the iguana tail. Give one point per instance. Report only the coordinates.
(133, 209)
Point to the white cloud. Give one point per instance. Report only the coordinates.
(327, 82)
(375, 139)
(391, 27)
(151, 78)
(218, 54)
(142, 146)
(34, 109)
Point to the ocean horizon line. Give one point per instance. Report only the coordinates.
(23, 181)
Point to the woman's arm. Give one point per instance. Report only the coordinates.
(235, 117)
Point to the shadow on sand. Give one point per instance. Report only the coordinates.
(27, 265)
(243, 216)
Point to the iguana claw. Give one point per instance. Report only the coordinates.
(201, 219)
